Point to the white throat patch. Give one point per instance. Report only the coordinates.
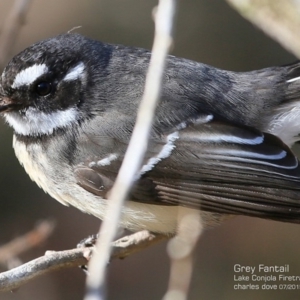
(35, 122)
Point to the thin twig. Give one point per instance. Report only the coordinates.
(16, 277)
(136, 149)
(27, 241)
(53, 260)
(279, 19)
(11, 28)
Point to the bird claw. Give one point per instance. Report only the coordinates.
(88, 242)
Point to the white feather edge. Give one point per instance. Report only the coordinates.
(164, 153)
(293, 79)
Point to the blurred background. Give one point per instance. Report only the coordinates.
(208, 31)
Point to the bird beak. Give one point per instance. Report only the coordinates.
(6, 104)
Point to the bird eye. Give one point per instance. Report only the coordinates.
(43, 88)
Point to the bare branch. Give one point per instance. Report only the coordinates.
(29, 240)
(11, 28)
(53, 260)
(16, 277)
(136, 242)
(136, 149)
(279, 19)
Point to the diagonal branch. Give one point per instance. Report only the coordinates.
(279, 19)
(16, 277)
(27, 241)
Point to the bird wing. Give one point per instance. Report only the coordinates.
(212, 165)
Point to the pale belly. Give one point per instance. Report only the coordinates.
(62, 186)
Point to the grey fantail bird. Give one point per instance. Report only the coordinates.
(220, 140)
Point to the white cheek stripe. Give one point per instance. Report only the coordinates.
(293, 79)
(75, 73)
(29, 75)
(164, 153)
(34, 122)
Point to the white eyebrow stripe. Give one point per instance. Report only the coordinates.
(293, 79)
(29, 75)
(75, 72)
